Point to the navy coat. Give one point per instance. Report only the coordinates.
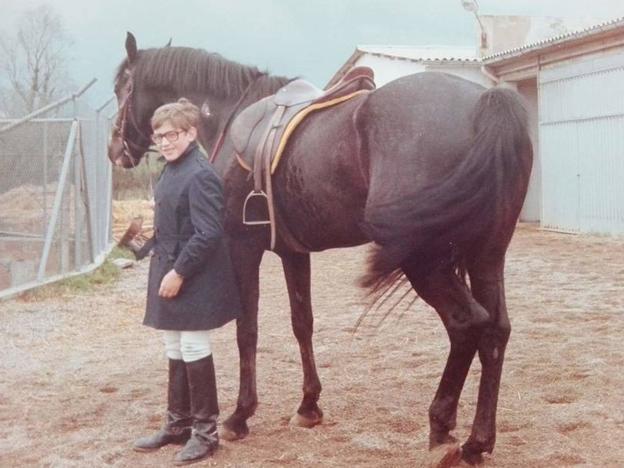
(189, 237)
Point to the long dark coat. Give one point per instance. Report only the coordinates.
(189, 237)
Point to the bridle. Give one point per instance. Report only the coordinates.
(126, 115)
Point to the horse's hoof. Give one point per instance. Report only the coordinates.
(442, 438)
(472, 458)
(443, 456)
(475, 446)
(229, 433)
(299, 420)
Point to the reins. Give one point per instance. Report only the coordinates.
(219, 144)
(125, 111)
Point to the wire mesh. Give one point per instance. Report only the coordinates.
(55, 189)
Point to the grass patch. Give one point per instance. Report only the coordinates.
(105, 274)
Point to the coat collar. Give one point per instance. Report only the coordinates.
(191, 147)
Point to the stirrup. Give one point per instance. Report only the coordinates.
(254, 194)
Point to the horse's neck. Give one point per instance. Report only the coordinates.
(267, 85)
(223, 108)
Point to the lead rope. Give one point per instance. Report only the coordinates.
(150, 193)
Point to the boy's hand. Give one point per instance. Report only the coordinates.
(170, 285)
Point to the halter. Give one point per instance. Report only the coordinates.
(219, 144)
(125, 110)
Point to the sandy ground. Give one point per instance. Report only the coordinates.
(81, 378)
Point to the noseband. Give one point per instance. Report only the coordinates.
(126, 115)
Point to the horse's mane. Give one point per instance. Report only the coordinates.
(196, 69)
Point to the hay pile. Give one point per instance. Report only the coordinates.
(124, 211)
(22, 207)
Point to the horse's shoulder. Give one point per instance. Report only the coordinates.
(245, 122)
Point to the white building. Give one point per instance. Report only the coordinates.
(574, 85)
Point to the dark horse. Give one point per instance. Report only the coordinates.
(431, 167)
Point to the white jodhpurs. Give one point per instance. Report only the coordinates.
(187, 345)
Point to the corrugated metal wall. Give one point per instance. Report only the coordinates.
(532, 208)
(581, 134)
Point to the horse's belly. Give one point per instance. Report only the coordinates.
(319, 187)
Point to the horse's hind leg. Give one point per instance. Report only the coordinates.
(246, 257)
(464, 320)
(297, 271)
(487, 283)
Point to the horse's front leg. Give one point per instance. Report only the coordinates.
(297, 271)
(246, 257)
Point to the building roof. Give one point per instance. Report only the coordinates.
(422, 53)
(555, 41)
(419, 54)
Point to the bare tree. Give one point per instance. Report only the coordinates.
(33, 62)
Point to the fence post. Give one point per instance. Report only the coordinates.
(45, 176)
(91, 233)
(76, 192)
(107, 177)
(58, 199)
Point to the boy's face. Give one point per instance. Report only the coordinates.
(172, 141)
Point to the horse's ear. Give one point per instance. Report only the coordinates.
(168, 44)
(131, 47)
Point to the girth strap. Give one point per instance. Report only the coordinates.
(262, 161)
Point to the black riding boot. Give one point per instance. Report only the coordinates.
(204, 411)
(177, 428)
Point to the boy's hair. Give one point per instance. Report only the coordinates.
(182, 114)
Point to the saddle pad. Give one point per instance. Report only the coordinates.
(297, 119)
(245, 133)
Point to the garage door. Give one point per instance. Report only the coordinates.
(581, 106)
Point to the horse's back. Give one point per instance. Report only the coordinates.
(417, 128)
(429, 85)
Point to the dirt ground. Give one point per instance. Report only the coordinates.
(81, 378)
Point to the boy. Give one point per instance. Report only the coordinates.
(191, 286)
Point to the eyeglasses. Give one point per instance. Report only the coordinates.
(170, 136)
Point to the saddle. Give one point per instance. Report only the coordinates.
(260, 133)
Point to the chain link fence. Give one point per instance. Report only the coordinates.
(55, 193)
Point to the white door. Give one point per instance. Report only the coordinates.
(581, 135)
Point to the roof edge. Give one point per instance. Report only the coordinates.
(604, 27)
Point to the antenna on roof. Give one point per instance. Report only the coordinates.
(470, 5)
(473, 7)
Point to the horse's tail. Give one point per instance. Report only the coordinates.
(442, 222)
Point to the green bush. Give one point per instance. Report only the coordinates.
(136, 183)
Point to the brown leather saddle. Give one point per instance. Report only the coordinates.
(260, 133)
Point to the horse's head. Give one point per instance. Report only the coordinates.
(130, 134)
(148, 78)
